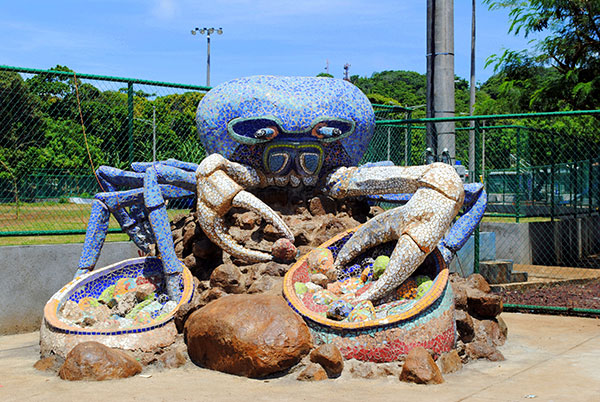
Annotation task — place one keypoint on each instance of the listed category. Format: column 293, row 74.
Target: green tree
column 568, row 41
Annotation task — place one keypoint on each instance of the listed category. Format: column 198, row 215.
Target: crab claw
column 418, row 227
column 217, row 194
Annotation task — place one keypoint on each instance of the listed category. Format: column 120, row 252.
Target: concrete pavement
column 548, row 358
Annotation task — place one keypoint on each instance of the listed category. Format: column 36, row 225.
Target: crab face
column 290, row 128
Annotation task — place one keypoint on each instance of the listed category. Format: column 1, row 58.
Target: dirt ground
column 573, row 295
column 548, row 358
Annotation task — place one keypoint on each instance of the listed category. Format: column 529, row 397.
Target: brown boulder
column 316, row 207
column 249, row 335
column 179, row 248
column 450, row 362
column 94, row 361
column 459, row 288
column 248, row 220
column 330, row 358
column 273, row 268
column 331, row 226
column 360, row 369
column 262, row 285
column 189, row 232
column 503, row 327
column 228, row 277
column 484, row 305
column 480, row 349
column 270, row 233
column 312, row 372
column 173, row 358
column 489, row 330
column 477, row 281
column 420, row 368
column 50, row 363
column 464, row 326
column 204, row 249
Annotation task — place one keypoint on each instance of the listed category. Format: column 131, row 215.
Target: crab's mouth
column 293, row 179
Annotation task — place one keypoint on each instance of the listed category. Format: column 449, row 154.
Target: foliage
column 566, row 38
column 42, row 119
column 407, row 89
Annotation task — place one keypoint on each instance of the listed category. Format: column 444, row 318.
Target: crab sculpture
column 287, row 131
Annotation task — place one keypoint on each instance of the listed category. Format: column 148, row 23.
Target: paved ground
column 548, row 358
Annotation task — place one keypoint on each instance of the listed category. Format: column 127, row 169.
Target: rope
column 87, row 147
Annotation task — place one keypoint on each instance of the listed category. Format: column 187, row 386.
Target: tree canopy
column 566, row 38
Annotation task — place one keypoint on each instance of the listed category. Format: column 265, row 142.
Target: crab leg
column 159, row 221
column 103, row 205
column 475, row 203
column 418, row 226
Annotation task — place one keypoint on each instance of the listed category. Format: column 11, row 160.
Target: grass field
column 52, row 216
column 41, row 217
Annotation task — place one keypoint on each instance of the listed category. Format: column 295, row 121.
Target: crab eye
column 267, row 133
column 333, row 129
column 327, row 132
column 253, row 130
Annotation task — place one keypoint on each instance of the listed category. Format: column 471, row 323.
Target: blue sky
column 151, row 39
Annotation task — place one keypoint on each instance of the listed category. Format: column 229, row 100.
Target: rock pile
column 312, row 218
column 130, row 302
column 479, row 326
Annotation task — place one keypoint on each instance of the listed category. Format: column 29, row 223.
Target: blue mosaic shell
column 297, row 102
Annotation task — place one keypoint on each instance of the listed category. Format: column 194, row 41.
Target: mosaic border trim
column 52, row 306
column 422, row 304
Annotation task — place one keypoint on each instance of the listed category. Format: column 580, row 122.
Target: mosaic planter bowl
column 57, row 337
column 427, row 321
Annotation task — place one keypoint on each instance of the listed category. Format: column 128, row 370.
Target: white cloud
column 165, row 9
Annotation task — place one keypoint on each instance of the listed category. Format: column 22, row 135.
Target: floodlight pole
column 472, row 138
column 208, row 32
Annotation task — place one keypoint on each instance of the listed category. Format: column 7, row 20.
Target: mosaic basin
column 59, row 338
column 427, row 321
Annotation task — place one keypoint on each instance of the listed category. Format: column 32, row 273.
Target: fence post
column 589, row 187
column 552, row 178
column 477, row 173
column 408, row 153
column 518, row 173
column 130, row 120
column 575, row 181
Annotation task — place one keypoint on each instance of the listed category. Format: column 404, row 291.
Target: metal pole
column 431, row 139
column 518, row 172
column 153, row 133
column 472, row 95
column 478, row 155
column 208, row 59
column 409, row 141
column 389, row 145
column 575, row 179
column 552, row 177
column 589, row 187
column 130, row 120
column 443, row 64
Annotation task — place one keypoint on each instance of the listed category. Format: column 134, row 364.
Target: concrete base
column 463, row 262
column 30, row 275
column 500, row 271
column 512, row 241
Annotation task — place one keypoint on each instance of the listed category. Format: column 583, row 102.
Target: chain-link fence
column 47, row 160
column 541, row 172
column 540, row 237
